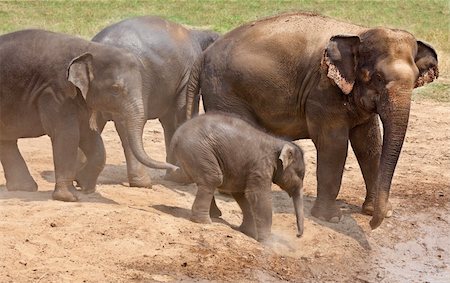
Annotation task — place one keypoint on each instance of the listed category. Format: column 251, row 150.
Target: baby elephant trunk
column 297, row 198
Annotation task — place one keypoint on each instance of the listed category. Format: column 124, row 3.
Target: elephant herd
column 268, row 82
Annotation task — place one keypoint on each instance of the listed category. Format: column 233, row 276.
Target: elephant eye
column 117, row 89
column 377, row 78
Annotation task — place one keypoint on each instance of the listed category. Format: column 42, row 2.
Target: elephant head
column 378, row 69
column 289, row 176
column 110, row 81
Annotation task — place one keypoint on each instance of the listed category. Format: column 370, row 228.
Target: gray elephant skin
column 220, row 151
column 166, row 52
column 53, row 84
column 302, row 75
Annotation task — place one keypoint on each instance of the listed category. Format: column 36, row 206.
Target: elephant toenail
column 389, row 213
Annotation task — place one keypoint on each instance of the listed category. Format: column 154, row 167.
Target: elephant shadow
column 348, row 226
column 180, row 212
column 111, row 175
column 47, row 195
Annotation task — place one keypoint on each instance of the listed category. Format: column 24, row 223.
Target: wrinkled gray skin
column 167, row 52
column 52, row 84
column 221, row 151
column 306, row 76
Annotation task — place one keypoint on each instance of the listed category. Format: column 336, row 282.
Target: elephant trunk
column 297, row 198
column 393, row 108
column 135, row 121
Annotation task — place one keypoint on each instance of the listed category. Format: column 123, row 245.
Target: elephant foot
column 265, row 238
column 177, row 176
column 200, row 218
column 86, row 186
column 25, row 187
column 65, row 193
column 368, row 208
column 249, row 230
column 331, row 212
column 143, row 181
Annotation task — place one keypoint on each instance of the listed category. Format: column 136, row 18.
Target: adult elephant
column 304, row 76
column 53, row 84
column 166, row 52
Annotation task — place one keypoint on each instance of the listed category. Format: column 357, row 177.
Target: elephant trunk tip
column 376, row 221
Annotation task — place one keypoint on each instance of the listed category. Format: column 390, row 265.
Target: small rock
column 318, row 254
column 380, row 275
column 184, row 264
column 53, row 224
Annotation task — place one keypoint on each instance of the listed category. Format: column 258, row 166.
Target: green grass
column 428, row 20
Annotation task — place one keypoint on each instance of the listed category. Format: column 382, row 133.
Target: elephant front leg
column 170, row 123
column 248, row 226
column 91, row 144
column 331, row 156
column 65, row 146
column 17, row 176
column 202, row 204
column 366, row 143
column 137, row 172
column 259, row 197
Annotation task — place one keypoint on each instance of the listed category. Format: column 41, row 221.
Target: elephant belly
column 232, row 184
column 20, row 125
column 291, row 129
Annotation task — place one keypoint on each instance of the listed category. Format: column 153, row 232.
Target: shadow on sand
column 47, row 196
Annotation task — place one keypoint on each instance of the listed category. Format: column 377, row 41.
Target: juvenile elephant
column 53, row 84
column 221, row 151
column 166, row 52
column 303, row 75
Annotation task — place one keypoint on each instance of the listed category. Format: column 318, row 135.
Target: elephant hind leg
column 202, row 204
column 214, row 210
column 17, row 175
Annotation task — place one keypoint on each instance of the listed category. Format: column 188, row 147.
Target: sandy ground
column 132, row 234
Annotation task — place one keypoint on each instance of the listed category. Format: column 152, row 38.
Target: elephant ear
column 340, row 60
column 286, row 155
column 427, row 63
column 80, row 72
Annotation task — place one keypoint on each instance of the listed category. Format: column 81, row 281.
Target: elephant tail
column 193, row 89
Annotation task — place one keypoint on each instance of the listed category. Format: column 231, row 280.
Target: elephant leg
column 65, row 140
column 202, row 204
column 214, row 210
column 91, row 144
column 137, row 172
column 17, row 175
column 366, row 142
column 331, row 155
column 81, row 157
column 168, row 123
column 248, row 226
column 259, row 196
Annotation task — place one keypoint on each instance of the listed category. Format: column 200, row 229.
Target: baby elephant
column 220, row 151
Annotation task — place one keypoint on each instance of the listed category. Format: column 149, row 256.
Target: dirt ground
column 134, row 234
